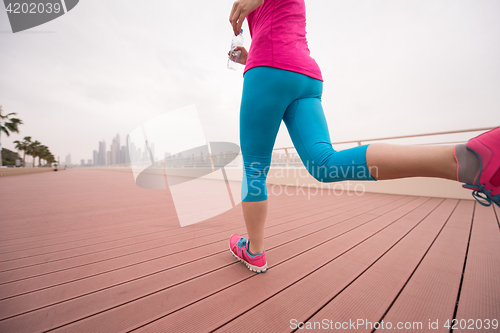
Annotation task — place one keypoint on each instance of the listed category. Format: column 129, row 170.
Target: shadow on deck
column 89, row 251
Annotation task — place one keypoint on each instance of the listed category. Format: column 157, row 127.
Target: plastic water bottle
column 234, row 56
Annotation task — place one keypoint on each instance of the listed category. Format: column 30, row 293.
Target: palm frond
column 5, row 130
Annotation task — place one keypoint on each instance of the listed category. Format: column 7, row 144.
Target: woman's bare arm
column 240, row 10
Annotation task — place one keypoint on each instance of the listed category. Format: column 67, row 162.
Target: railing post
column 212, row 162
column 287, row 158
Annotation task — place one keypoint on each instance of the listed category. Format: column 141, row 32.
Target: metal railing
column 293, row 159
column 282, row 157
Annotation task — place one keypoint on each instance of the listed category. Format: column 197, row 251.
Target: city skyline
column 117, row 154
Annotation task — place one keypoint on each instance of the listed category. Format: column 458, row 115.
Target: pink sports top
column 278, row 31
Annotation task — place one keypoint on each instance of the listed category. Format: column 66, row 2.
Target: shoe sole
column 251, row 267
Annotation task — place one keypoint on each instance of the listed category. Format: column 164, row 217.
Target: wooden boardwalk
column 89, row 251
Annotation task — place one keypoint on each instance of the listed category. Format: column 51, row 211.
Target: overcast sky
column 390, row 68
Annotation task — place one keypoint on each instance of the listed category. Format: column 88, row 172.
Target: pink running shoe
column 487, row 183
column 240, row 249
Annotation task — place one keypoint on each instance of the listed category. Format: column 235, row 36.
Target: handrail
column 404, row 136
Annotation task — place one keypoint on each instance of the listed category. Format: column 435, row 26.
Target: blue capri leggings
column 271, row 95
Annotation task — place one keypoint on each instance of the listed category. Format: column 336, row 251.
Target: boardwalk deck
column 89, row 251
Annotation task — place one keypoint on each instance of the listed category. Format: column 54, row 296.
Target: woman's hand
column 243, row 55
column 240, row 10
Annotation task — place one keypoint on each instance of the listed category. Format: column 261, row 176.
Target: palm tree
column 34, row 150
column 50, row 159
column 44, row 154
column 8, row 125
column 41, row 152
column 24, row 145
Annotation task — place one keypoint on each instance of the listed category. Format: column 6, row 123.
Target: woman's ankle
column 255, row 248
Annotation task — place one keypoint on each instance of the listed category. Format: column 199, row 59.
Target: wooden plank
column 302, row 299
column 68, row 242
column 70, row 249
column 222, row 277
column 313, row 253
column 111, row 259
column 88, row 304
column 431, row 293
column 130, row 286
column 100, row 219
column 369, row 296
column 87, row 189
column 124, row 269
column 480, row 294
column 73, row 207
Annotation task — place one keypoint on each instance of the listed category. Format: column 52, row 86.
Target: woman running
column 283, row 82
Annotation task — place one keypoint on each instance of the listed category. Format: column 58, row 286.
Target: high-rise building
column 116, row 154
column 124, row 155
column 68, row 159
column 115, row 150
column 127, row 149
column 101, row 159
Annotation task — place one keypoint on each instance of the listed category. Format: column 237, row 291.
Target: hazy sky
column 389, row 67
